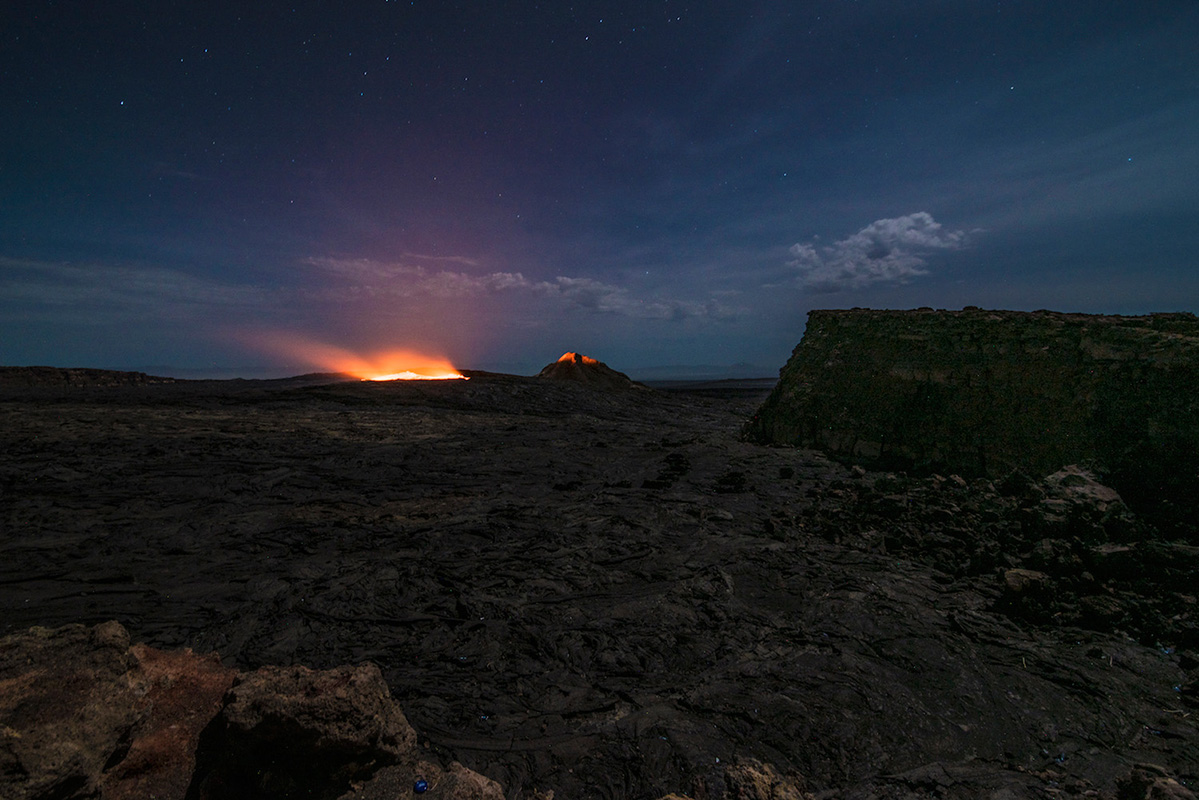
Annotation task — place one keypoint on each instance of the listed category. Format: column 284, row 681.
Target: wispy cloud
column 465, row 261
column 887, row 250
column 586, row 293
column 364, row 278
column 31, row 288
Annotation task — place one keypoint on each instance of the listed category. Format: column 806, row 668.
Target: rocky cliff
column 987, row 392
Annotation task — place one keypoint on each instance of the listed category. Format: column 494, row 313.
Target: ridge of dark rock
column 76, row 376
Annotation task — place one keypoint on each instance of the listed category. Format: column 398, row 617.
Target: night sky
column 652, row 183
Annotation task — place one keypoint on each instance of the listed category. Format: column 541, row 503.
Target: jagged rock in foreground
column 589, row 372
column 67, row 706
column 981, row 392
column 83, row 714
column 286, row 731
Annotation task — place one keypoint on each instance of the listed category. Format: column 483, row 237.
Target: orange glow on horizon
column 448, row 374
column 385, row 365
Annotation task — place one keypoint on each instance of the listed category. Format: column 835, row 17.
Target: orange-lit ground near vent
column 400, row 366
column 409, row 375
column 386, row 365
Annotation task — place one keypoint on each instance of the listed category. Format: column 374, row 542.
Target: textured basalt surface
column 610, row 594
column 983, row 393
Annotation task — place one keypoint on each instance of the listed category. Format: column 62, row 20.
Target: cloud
column 380, row 279
column 593, row 295
column 447, row 284
column 363, row 278
column 886, row 250
column 469, row 262
column 90, row 291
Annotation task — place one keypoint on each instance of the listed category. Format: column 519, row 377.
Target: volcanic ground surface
column 606, row 594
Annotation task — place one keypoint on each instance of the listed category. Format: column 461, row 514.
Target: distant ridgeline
column 75, row 376
column 987, row 392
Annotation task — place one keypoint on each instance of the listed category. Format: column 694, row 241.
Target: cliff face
column 986, row 392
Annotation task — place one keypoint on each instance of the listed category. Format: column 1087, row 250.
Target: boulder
column 1027, row 594
column 1019, row 583
column 185, row 692
column 1079, row 486
column 84, row 714
column 70, row 702
column 750, row 779
column 1151, row 782
column 291, row 731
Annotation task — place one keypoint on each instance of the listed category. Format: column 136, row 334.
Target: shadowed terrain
column 610, row 594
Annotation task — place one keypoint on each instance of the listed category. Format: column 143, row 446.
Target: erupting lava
column 389, row 365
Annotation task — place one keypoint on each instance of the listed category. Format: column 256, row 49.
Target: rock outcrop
column 84, row 714
column 982, row 393
column 68, row 705
column 293, row 731
column 588, row 371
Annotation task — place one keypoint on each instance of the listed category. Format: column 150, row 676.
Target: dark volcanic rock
column 589, row 372
column 985, row 392
column 752, row 780
column 83, row 714
column 67, row 706
column 76, row 376
column 455, row 781
column 293, row 731
column 610, row 595
column 184, row 692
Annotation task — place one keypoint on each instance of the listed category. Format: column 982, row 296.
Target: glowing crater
column 380, row 365
column 399, row 365
column 409, row 375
